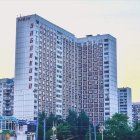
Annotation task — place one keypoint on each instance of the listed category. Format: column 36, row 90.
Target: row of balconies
column 8, row 109
column 7, row 98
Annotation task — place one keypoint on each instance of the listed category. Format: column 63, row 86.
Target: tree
column 52, row 119
column 117, row 128
column 40, row 126
column 49, row 134
column 77, row 127
column 63, row 131
column 83, row 125
column 72, row 121
column 136, row 131
column 72, row 128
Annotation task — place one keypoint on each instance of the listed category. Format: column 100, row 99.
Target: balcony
column 8, row 113
column 8, row 109
column 7, row 98
column 7, row 91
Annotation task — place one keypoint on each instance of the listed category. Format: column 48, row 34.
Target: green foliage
column 63, row 131
column 50, row 120
column 72, row 121
column 136, row 131
column 40, row 132
column 83, row 125
column 41, row 118
column 40, row 126
column 48, row 134
column 76, row 127
column 117, row 128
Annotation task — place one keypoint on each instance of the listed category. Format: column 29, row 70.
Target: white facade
column 22, row 134
column 57, row 72
column 24, row 71
column 125, row 102
column 39, row 67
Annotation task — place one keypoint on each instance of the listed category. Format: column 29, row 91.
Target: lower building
column 6, row 96
column 14, row 129
column 136, row 112
column 125, row 102
column 7, row 127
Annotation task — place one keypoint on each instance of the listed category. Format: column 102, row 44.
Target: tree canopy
column 76, row 127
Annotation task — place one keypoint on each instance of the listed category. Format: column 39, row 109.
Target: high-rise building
column 6, row 96
column 125, row 102
column 57, row 72
column 39, row 72
column 98, row 76
column 136, row 112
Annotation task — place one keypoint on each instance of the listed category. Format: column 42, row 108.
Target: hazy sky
column 120, row 18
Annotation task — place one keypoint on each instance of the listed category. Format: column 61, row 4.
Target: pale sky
column 120, row 18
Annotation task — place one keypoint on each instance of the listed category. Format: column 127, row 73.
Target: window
column 106, row 85
column 32, row 25
column 105, row 40
column 106, row 71
column 59, row 66
column 31, row 40
column 106, row 62
column 107, row 80
column 107, row 113
column 30, row 78
column 35, row 74
column 106, row 45
column 30, row 63
column 59, row 56
column 31, row 48
column 35, row 85
column 106, row 76
column 106, row 53
column 31, row 33
column 106, row 66
column 31, row 55
column 30, row 86
column 36, row 63
column 30, row 70
column 37, row 22
column 59, row 86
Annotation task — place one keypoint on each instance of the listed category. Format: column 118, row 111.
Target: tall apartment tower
column 57, row 72
column 98, row 76
column 6, row 97
column 125, row 102
column 40, row 75
column 136, row 112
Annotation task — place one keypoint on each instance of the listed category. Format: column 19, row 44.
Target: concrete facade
column 6, row 96
column 125, row 102
column 136, row 112
column 56, row 72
